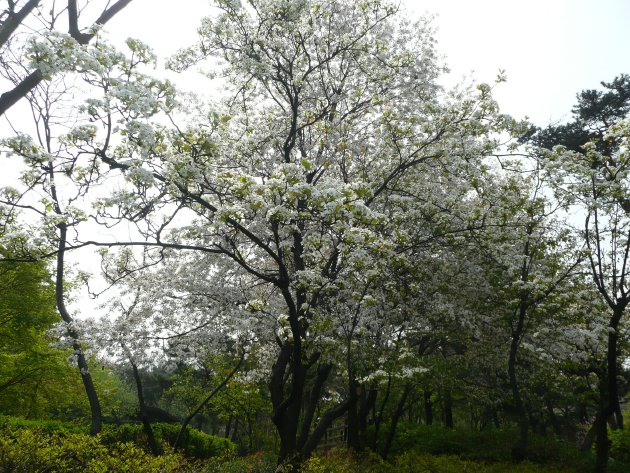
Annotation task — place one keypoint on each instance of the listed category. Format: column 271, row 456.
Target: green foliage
column 595, row 111
column 118, row 399
column 415, row 462
column 438, row 440
column 45, row 426
column 496, row 446
column 620, row 449
column 194, row 443
column 341, row 461
column 35, row 378
column 257, row 463
column 26, row 450
column 412, row 462
column 239, row 400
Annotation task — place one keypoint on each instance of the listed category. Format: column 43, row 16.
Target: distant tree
column 595, row 112
column 35, row 377
column 590, row 162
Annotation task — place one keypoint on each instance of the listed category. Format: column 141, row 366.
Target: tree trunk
column 448, row 409
column 366, row 405
column 428, row 408
column 352, row 438
column 400, row 408
column 557, row 429
column 323, row 372
column 86, row 377
column 608, row 395
column 250, row 434
column 146, row 425
column 519, row 449
column 235, row 430
column 379, row 417
column 602, row 443
column 613, row 385
column 228, row 426
column 287, row 407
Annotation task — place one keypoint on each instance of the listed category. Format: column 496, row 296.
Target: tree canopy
column 336, row 238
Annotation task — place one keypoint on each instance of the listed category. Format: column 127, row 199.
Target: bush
column 414, row 462
column 257, row 463
column 26, row 451
column 436, row 440
column 620, row 449
column 48, row 426
column 491, row 446
column 194, row 442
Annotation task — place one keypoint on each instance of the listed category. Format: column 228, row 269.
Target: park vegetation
column 329, row 262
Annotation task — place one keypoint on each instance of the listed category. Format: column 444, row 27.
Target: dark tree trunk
column 555, row 423
column 531, row 418
column 582, row 412
column 602, row 443
column 428, row 408
column 608, row 394
column 235, row 430
column 250, row 434
column 367, row 404
column 520, row 448
column 146, row 425
column 286, row 398
column 495, row 418
column 285, row 407
column 323, row 372
column 325, row 422
column 448, row 409
column 288, row 374
column 379, row 417
column 86, row 377
column 400, row 409
column 228, row 427
column 352, row 438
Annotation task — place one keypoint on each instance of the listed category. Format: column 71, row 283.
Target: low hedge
column 29, row 450
column 194, row 442
column 48, row 426
column 491, row 446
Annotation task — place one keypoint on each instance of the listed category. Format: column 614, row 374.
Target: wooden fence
column 335, row 436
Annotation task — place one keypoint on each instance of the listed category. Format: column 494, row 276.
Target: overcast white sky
column 550, row 49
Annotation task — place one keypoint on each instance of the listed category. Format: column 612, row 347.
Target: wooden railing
column 335, row 436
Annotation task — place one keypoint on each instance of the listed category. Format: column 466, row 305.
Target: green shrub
column 489, row 445
column 194, row 443
column 26, row 451
column 414, row 462
column 49, row 426
column 257, row 463
column 620, row 449
column 333, row 461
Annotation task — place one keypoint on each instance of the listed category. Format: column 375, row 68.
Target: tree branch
column 11, row 97
column 14, row 20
